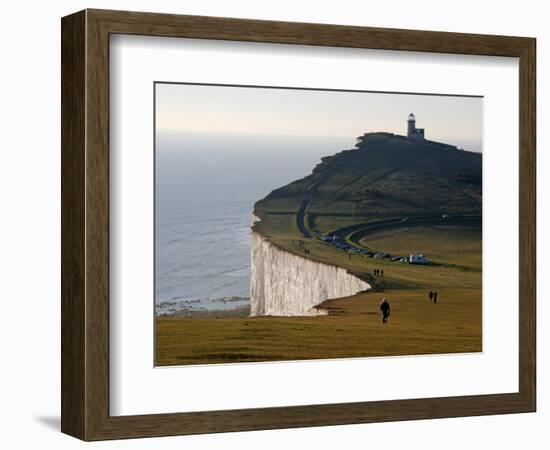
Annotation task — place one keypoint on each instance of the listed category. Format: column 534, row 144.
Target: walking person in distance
column 385, row 308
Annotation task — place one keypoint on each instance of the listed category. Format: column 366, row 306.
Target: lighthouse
column 416, row 134
column 411, row 122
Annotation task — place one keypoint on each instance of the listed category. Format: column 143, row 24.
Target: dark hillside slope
column 389, row 176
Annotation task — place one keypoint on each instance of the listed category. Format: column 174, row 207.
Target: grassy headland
column 389, row 178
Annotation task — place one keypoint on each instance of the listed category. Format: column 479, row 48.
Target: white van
column 418, row 259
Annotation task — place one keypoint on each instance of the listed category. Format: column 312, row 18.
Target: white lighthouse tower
column 416, row 134
column 411, row 125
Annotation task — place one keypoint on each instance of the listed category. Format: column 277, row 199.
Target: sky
column 315, row 114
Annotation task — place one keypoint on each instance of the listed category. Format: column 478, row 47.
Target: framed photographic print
column 271, row 224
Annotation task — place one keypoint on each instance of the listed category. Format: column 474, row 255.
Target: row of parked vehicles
column 342, row 244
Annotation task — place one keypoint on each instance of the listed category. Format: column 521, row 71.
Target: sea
column 205, row 189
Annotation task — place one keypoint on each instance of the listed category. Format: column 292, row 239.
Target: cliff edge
column 306, row 237
column 285, row 284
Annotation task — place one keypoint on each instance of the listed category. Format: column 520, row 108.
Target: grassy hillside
column 390, row 196
column 354, row 329
column 388, row 176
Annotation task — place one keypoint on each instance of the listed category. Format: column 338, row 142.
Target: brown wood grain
column 73, row 224
column 85, row 224
column 527, row 224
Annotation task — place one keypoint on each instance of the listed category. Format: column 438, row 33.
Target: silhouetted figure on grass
column 385, row 308
column 431, row 295
column 435, row 297
column 382, row 273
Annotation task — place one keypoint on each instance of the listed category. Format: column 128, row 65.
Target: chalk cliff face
column 285, row 284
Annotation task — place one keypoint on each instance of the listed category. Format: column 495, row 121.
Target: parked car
column 418, row 259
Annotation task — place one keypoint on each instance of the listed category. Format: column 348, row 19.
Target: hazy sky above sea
column 315, row 114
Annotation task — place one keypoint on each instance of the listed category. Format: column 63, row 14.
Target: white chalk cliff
column 285, row 284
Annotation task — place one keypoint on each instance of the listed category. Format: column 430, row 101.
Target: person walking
column 385, row 308
column 435, row 297
column 382, row 273
column 431, row 295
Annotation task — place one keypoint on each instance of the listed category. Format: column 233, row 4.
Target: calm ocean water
column 206, row 187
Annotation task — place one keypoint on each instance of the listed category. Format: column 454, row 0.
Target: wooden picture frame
column 85, row 224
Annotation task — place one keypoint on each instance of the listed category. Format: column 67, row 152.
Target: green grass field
column 415, row 327
column 353, row 327
column 391, row 178
column 456, row 250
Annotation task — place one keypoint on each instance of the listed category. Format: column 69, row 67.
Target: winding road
column 352, row 235
column 311, row 191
